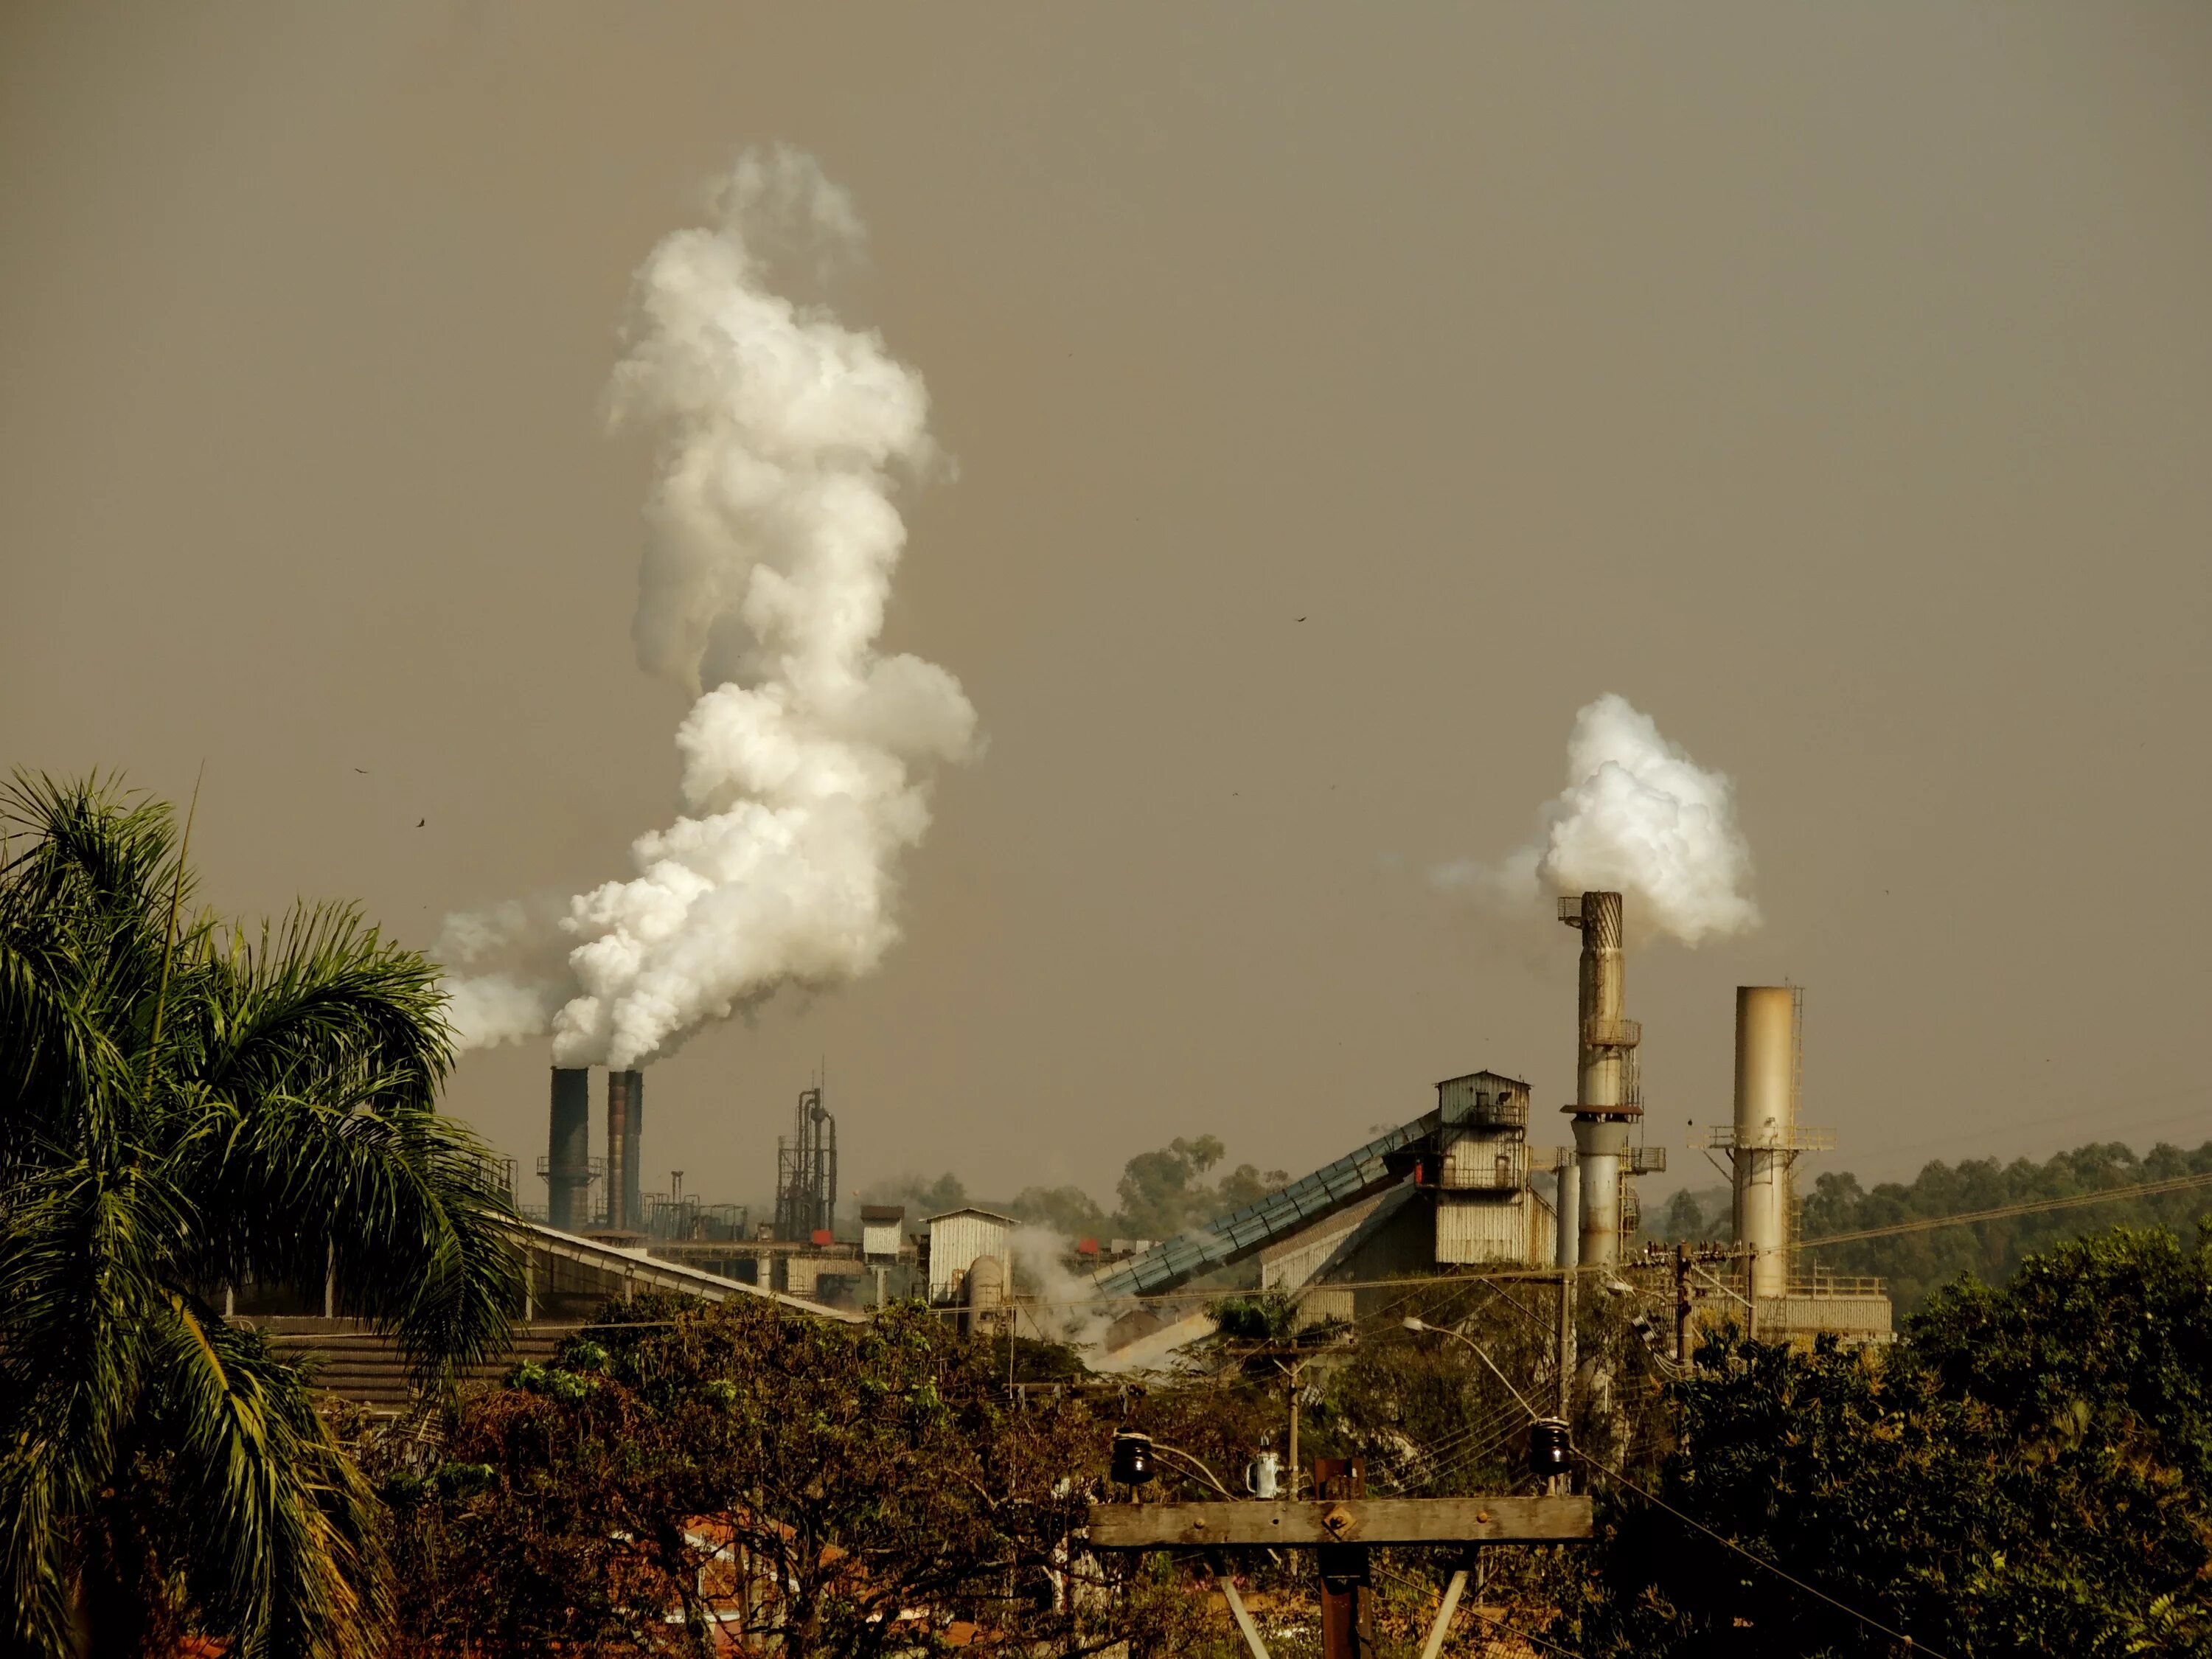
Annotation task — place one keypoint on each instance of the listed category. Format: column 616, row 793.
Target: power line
column 2110, row 1113
column 1499, row 1623
column 1929, row 1223
column 1914, row 1643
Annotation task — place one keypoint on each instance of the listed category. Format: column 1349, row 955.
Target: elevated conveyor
column 1381, row 1163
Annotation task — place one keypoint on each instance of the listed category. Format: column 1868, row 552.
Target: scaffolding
column 806, row 1172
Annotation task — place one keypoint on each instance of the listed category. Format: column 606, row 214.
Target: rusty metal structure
column 806, row 1172
column 625, row 1126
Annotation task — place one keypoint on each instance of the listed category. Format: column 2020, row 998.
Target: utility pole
column 1347, row 1611
column 1563, row 1347
column 1564, row 1357
column 1681, row 1304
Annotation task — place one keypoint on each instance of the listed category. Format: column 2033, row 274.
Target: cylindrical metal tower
column 1765, row 1129
column 569, row 1148
column 625, row 1121
column 1568, row 1248
column 1605, row 1075
column 1599, row 1059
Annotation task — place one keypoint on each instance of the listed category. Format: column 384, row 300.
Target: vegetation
column 184, row 1104
column 2029, row 1470
column 1916, row 1263
column 685, row 1470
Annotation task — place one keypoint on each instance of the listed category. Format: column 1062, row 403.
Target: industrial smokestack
column 1766, row 1130
column 1605, row 1073
column 625, row 1121
column 569, row 1148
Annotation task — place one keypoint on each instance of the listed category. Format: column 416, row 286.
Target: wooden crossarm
column 1344, row 1520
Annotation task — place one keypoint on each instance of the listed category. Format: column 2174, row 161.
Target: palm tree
column 185, row 1105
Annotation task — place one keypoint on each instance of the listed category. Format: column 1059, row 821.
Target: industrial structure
column 625, row 1129
column 603, row 1200
column 1600, row 1208
column 968, row 1264
column 1459, row 1186
column 806, row 1174
column 1763, row 1145
column 568, row 1167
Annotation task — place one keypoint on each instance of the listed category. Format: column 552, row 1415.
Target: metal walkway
column 1229, row 1240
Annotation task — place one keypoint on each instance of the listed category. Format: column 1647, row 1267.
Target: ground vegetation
column 187, row 1105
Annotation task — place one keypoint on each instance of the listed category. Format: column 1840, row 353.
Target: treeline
column 1161, row 1192
column 2026, row 1470
column 1916, row 1263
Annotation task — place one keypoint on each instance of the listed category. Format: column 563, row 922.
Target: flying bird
column 1302, row 619
column 363, row 770
column 419, row 823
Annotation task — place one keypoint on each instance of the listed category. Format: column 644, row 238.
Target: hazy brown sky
column 1835, row 383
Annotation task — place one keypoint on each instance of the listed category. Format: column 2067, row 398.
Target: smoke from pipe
column 771, row 540
column 1638, row 816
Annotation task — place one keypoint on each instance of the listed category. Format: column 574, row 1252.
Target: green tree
column 1161, row 1192
column 2029, row 1470
column 1684, row 1217
column 689, row 1469
column 184, row 1105
column 1916, row 1263
column 1068, row 1211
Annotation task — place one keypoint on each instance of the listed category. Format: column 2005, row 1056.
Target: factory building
column 1459, row 1186
column 602, row 1200
column 959, row 1239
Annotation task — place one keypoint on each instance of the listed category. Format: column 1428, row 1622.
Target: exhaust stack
column 1766, row 1140
column 568, row 1168
column 625, row 1121
column 1608, row 1097
column 1766, row 1128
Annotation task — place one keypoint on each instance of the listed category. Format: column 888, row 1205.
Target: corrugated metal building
column 956, row 1239
column 881, row 1229
column 1477, row 1227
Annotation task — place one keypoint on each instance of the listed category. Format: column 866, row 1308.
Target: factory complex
column 1460, row 1190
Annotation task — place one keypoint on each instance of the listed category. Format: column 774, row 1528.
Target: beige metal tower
column 1766, row 1139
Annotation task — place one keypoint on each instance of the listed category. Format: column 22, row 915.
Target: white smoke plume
column 771, row 541
column 1063, row 1306
column 1638, row 817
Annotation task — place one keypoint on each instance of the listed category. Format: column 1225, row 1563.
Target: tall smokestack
column 569, row 1148
column 1605, row 1074
column 1766, row 1050
column 625, row 1120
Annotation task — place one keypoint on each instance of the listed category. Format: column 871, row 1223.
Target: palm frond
column 297, row 1569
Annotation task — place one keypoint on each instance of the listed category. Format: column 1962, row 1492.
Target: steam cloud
column 771, row 540
column 1639, row 816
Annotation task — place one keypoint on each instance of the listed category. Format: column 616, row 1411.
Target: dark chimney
column 568, row 1149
